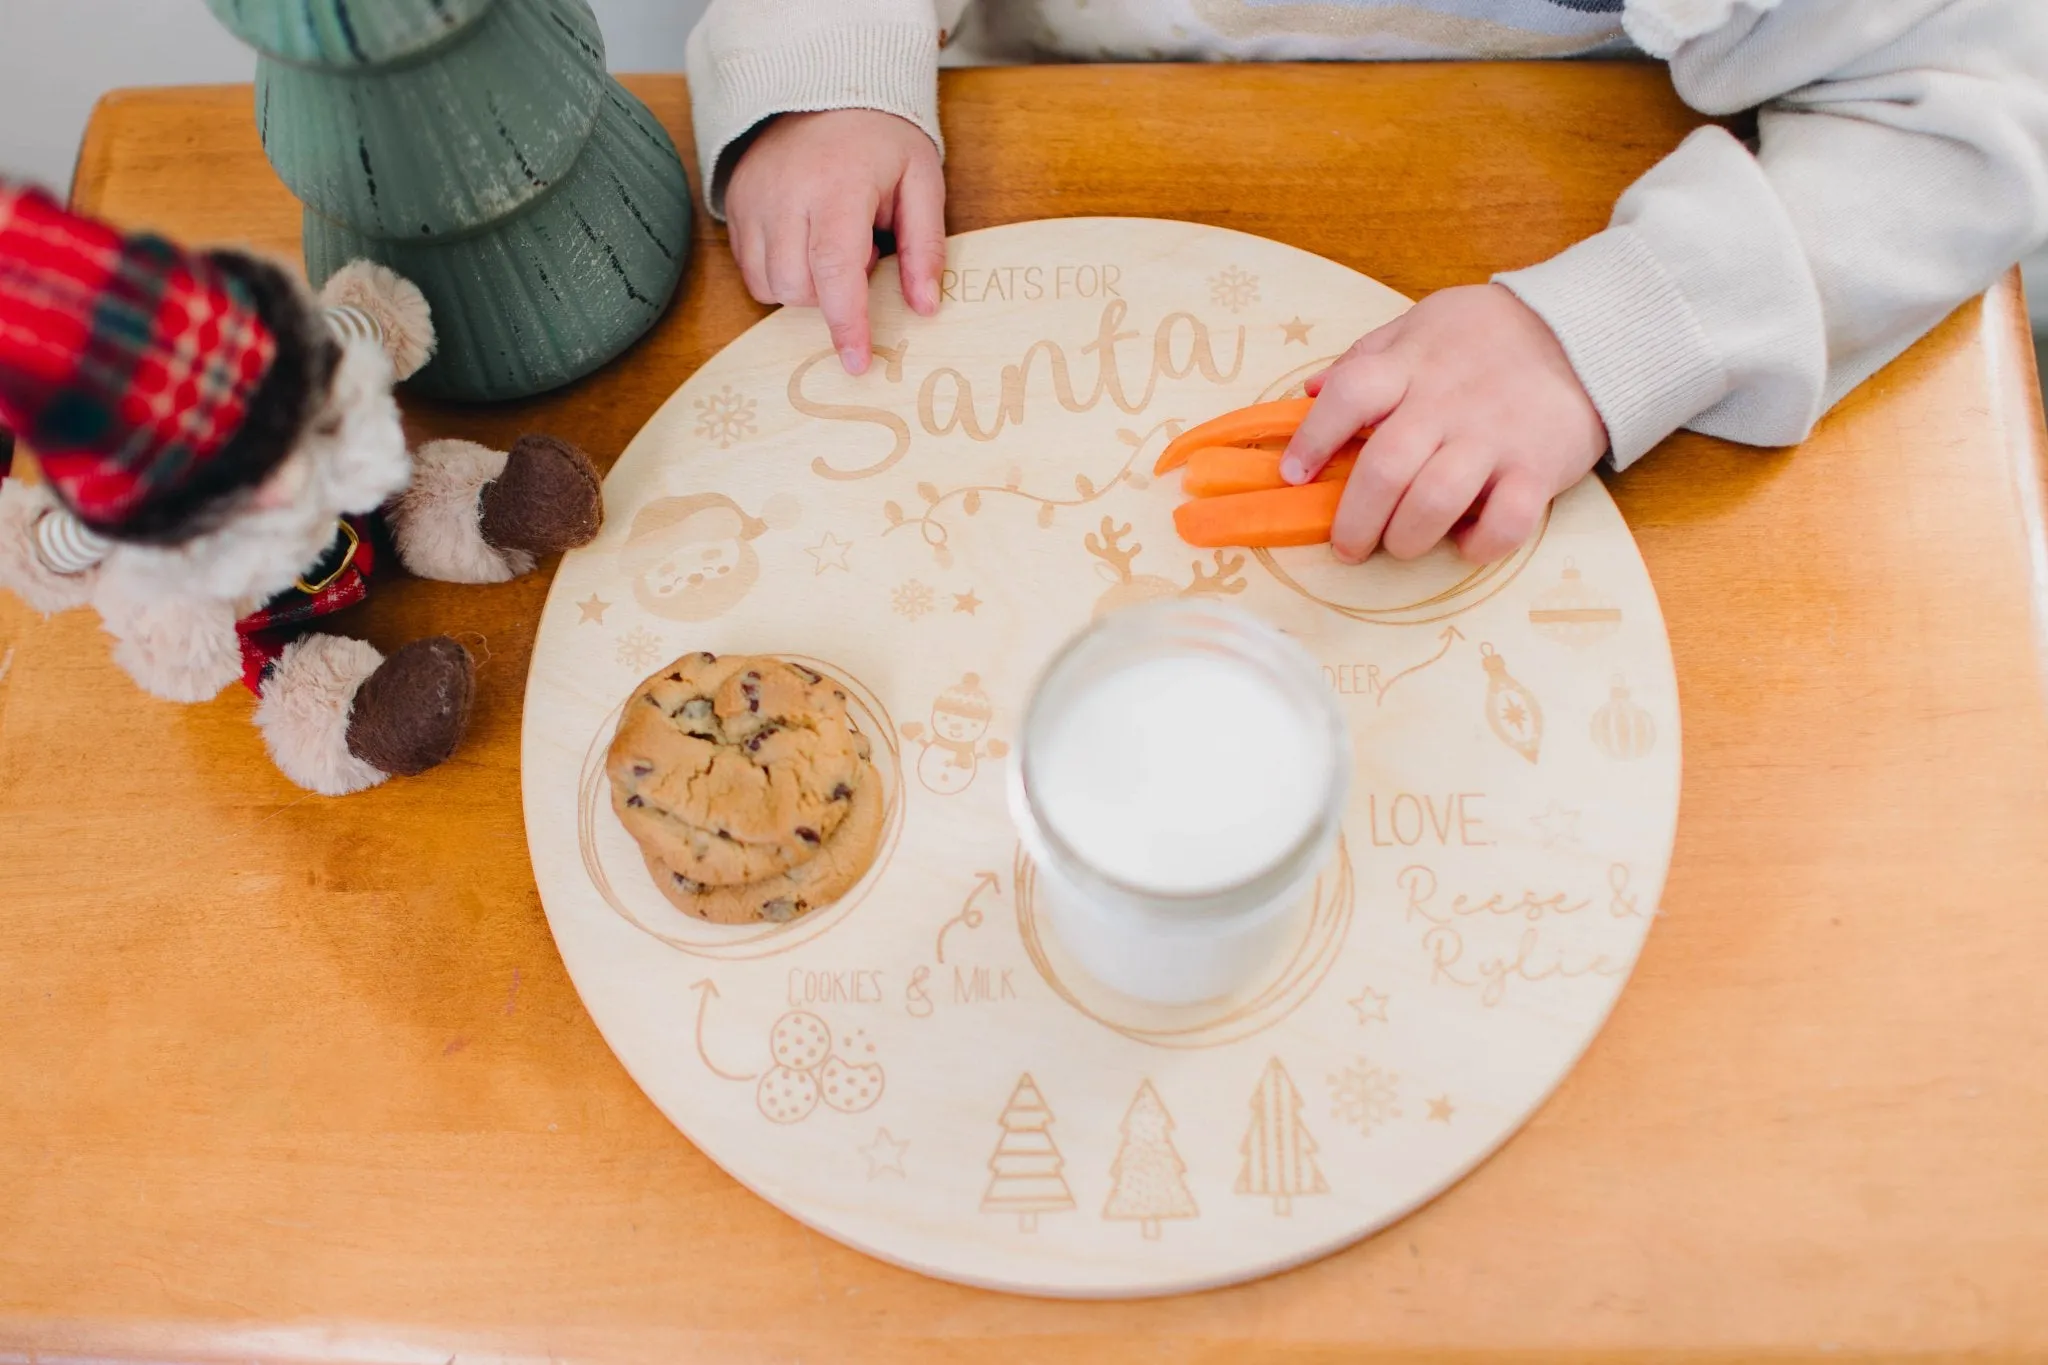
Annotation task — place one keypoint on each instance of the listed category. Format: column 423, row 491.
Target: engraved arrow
column 1449, row 635
column 709, row 991
column 970, row 913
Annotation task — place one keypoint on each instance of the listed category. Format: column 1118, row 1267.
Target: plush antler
column 1106, row 548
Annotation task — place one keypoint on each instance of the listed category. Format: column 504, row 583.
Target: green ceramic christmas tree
column 478, row 148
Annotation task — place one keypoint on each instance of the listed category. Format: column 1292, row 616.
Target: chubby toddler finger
column 1439, row 497
column 1513, row 507
column 751, row 254
column 842, row 243
column 786, row 262
column 1392, row 457
column 921, row 236
column 1372, row 343
column 1357, row 393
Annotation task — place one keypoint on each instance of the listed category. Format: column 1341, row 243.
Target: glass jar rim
column 1216, row 630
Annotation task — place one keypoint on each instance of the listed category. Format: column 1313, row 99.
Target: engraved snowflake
column 1234, row 289
column 912, row 599
column 1364, row 1095
column 639, row 648
column 725, row 417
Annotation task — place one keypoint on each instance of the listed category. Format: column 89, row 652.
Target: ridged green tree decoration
column 478, row 148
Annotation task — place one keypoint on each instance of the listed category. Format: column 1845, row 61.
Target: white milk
column 1179, row 782
column 1181, row 774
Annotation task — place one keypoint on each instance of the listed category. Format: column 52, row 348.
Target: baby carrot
column 1218, row 471
column 1243, row 427
column 1268, row 518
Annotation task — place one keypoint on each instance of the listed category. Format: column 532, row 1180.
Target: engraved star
column 1440, row 1109
column 966, row 601
column 885, row 1154
column 830, row 552
column 1513, row 714
column 1371, row 1006
column 1296, row 330
column 593, row 609
column 1558, row 825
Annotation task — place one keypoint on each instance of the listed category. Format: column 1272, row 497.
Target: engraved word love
column 946, row 401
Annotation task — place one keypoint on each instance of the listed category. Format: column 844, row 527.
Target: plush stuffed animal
column 223, row 468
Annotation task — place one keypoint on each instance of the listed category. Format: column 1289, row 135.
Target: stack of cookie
column 747, row 787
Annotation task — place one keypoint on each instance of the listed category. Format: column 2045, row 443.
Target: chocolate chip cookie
column 841, row 859
column 717, row 857
column 733, row 769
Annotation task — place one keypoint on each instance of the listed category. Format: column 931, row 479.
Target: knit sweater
column 1901, row 163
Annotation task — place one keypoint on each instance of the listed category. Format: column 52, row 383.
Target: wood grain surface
column 284, row 1077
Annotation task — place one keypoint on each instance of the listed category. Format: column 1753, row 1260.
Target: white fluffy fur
column 352, row 458
column 22, row 571
column 305, row 712
column 178, row 648
column 439, row 523
column 398, row 307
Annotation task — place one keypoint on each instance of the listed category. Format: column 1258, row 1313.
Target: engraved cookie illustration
column 952, row 749
column 693, row 558
column 855, row 1085
column 786, row 1095
column 800, row 1040
column 809, row 1068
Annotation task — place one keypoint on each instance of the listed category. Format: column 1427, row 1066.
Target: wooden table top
column 287, row 1077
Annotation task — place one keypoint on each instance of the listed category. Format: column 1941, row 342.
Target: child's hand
column 803, row 206
column 1480, row 423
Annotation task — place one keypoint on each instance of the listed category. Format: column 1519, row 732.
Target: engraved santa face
column 690, row 558
column 693, row 567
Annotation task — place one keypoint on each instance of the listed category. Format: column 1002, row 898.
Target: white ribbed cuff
column 1630, row 335
column 892, row 68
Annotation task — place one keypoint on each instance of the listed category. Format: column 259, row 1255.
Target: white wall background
column 58, row 56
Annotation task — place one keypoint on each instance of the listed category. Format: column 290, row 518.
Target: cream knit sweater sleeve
column 749, row 60
column 1902, row 164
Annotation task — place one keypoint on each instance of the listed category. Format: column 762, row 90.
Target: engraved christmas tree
column 478, row 148
column 1148, row 1173
column 1279, row 1155
column 1025, row 1171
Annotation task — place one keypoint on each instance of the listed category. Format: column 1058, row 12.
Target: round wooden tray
column 919, row 1070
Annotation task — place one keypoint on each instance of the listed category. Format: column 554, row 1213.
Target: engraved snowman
column 953, row 748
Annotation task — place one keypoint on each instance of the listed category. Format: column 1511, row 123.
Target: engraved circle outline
column 1321, row 943
column 1459, row 598
column 767, row 940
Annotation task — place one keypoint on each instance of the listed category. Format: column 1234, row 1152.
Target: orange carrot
column 1218, row 471
column 1270, row 517
column 1243, row 427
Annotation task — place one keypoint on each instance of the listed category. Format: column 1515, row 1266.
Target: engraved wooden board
column 918, row 1070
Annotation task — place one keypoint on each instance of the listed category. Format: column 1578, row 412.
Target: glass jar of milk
column 1180, row 781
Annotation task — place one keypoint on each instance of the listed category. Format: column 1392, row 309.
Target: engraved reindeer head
column 1114, row 556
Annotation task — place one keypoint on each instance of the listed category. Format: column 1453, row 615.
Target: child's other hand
column 1480, row 422
column 805, row 200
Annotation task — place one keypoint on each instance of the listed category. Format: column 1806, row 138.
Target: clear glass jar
column 1180, row 780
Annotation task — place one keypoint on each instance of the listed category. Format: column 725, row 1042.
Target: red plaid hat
column 149, row 380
